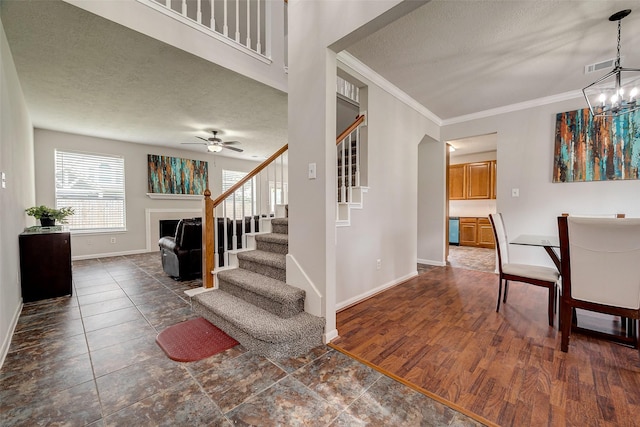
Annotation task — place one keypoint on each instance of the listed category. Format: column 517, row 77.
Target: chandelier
column 616, row 93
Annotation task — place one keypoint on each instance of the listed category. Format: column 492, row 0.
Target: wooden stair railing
column 348, row 171
column 208, row 219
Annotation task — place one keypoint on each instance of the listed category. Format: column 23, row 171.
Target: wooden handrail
column 250, row 175
column 350, row 129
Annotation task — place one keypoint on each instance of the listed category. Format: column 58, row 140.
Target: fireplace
column 168, row 227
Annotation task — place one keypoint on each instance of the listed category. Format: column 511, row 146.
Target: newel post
column 207, row 241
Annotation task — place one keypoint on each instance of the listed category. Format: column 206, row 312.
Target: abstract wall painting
column 596, row 149
column 173, row 175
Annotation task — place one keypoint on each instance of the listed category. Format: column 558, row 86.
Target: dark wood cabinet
column 45, row 265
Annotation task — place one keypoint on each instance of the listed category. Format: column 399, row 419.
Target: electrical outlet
column 113, row 240
column 378, row 264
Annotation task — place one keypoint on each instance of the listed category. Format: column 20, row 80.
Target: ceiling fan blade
column 193, row 143
column 205, row 140
column 239, row 150
column 230, row 142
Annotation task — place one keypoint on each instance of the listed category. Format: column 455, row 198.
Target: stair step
column 273, row 242
column 267, row 263
column 258, row 330
column 280, row 225
column 269, row 294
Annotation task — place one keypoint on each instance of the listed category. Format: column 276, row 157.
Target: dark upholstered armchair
column 182, row 254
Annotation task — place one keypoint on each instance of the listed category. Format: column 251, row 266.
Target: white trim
column 110, row 254
column 432, row 262
column 374, row 291
column 175, row 196
column 515, row 107
column 330, row 336
column 297, row 277
column 205, row 30
column 4, row 349
column 351, row 61
column 147, row 220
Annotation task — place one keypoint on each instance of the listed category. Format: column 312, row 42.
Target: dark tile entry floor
column 91, row 359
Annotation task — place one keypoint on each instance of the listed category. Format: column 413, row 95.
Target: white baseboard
column 7, row 339
column 330, row 336
column 372, row 292
column 110, row 254
column 298, row 278
column 431, row 262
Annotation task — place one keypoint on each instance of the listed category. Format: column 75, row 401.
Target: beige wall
column 134, row 240
column 16, row 162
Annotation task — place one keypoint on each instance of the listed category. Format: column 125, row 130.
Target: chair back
column 189, row 233
column 499, row 232
column 601, row 260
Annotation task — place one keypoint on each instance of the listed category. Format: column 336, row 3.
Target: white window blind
column 248, row 190
column 93, row 185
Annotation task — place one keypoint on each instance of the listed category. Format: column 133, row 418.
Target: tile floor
column 91, row 359
column 470, row 258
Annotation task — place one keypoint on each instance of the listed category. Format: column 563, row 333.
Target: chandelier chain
column 618, row 57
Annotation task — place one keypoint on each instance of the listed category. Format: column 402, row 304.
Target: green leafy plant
column 42, row 211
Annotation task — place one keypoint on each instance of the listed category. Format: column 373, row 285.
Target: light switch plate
column 312, row 171
column 515, row 192
column 4, row 180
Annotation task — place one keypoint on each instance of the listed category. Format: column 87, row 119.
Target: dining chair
column 600, row 265
column 525, row 273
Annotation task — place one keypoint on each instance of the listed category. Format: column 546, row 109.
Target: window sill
column 175, row 196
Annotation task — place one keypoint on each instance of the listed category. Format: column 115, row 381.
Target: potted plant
column 49, row 216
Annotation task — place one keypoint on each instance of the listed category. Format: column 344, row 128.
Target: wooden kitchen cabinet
column 479, row 180
column 476, row 232
column 468, row 231
column 457, row 182
column 494, row 179
column 485, row 234
column 472, row 181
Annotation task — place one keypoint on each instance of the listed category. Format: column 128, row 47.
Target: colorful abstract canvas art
column 173, row 175
column 596, row 149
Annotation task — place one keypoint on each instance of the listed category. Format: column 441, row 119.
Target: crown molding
column 351, row 61
column 515, row 107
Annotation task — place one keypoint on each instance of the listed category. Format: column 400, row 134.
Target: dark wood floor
column 440, row 332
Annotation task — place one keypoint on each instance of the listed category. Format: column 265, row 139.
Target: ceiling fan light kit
column 215, row 144
column 615, row 93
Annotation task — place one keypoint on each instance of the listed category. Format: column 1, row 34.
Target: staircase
column 254, row 305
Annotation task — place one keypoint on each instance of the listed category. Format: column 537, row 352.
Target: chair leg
column 499, row 293
column 567, row 319
column 506, row 289
column 552, row 304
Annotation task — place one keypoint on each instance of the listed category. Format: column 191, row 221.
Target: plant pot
column 47, row 222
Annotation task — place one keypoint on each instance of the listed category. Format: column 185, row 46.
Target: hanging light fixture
column 214, row 148
column 615, row 93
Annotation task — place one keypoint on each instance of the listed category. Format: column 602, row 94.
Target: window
column 276, row 195
column 244, row 196
column 93, row 185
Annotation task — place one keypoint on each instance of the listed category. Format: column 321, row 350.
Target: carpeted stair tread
column 280, row 225
column 280, row 221
column 265, row 258
column 256, row 322
column 281, row 239
column 262, row 285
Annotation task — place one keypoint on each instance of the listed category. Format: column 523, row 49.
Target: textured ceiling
column 463, row 57
column 83, row 74
column 86, row 75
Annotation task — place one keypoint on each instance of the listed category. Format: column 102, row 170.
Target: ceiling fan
column 215, row 144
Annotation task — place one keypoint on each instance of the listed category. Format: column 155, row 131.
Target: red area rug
column 193, row 340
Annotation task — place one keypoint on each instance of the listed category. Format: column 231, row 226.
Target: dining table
column 548, row 242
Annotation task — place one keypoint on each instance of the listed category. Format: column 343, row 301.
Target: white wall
column 386, row 229
column 312, row 113
column 431, row 201
column 525, row 161
column 136, row 178
column 16, row 162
